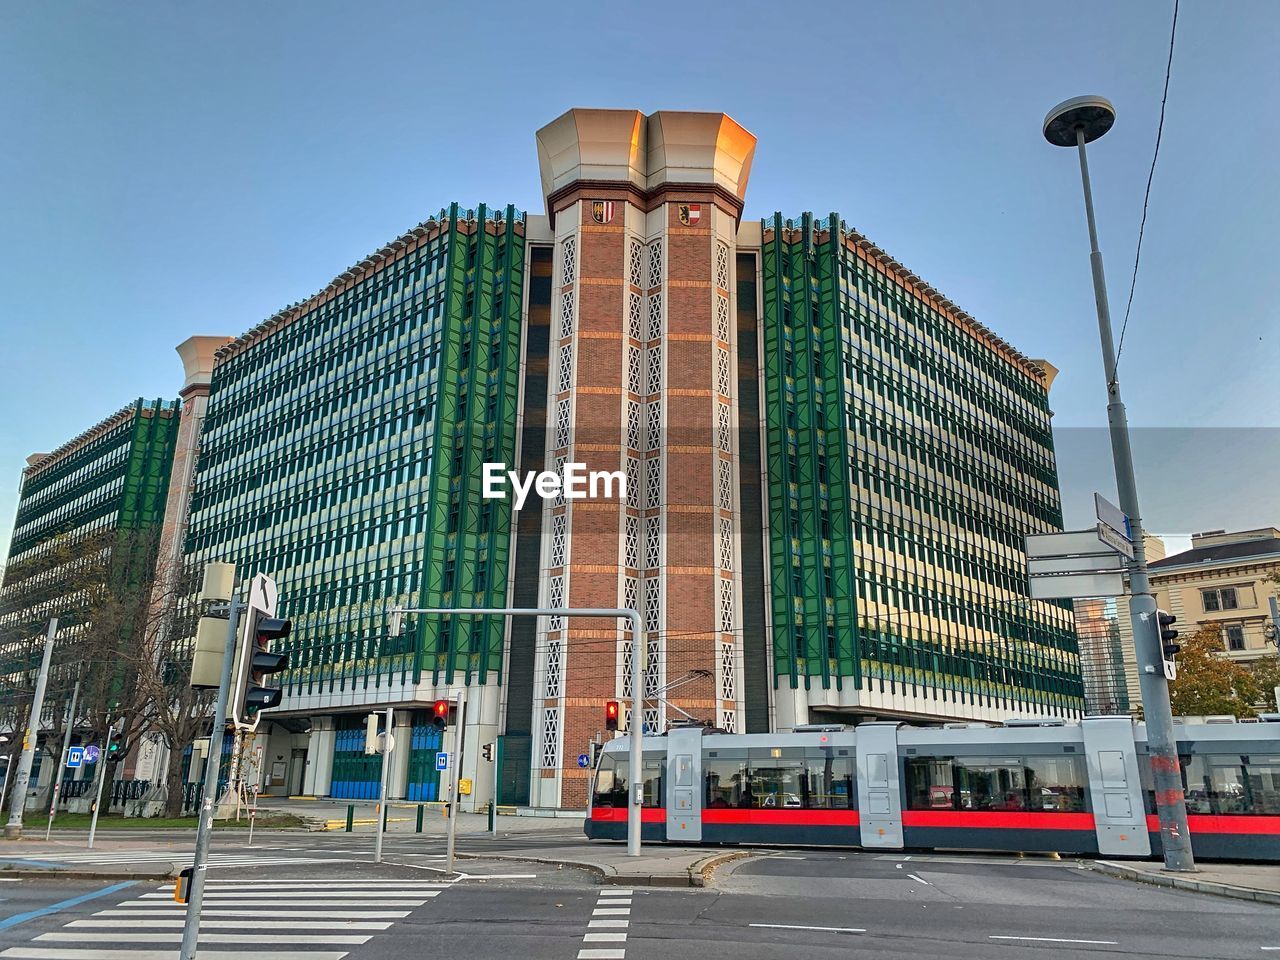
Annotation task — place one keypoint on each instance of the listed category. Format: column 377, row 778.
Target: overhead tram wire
column 1133, row 283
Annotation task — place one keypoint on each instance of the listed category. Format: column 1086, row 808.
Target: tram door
column 1115, row 786
column 879, row 790
column 684, row 784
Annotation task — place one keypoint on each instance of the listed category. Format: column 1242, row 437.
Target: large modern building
column 820, row 471
column 90, row 509
column 829, row 471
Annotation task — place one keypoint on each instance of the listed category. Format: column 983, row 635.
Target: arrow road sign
column 75, row 756
column 583, row 761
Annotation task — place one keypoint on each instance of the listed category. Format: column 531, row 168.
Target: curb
column 1184, row 883
column 695, row 875
column 36, row 873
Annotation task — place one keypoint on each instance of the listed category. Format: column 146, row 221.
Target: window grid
column 550, row 738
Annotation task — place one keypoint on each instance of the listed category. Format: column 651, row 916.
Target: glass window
column 829, row 780
column 1210, row 598
column 778, row 775
column 1226, row 784
column 1235, row 636
column 727, row 783
column 982, row 783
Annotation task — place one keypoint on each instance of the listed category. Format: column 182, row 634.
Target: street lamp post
column 1073, row 124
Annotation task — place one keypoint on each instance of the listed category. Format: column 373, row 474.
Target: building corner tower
column 644, row 211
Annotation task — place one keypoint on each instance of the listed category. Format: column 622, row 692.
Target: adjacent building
column 827, row 469
column 90, row 509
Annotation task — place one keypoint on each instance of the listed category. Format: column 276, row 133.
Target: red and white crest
column 602, row 210
column 689, row 213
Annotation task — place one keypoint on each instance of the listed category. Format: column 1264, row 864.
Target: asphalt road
column 778, row 905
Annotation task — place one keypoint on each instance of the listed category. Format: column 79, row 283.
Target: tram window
column 795, row 780
column 1226, row 784
column 611, row 783
column 727, row 782
column 984, row 783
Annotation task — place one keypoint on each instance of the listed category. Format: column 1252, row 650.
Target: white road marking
column 589, row 954
column 608, row 923
column 175, row 936
column 394, row 894
column 279, row 904
column 237, row 924
column 919, row 880
column 1100, row 943
column 611, row 912
column 612, row 938
column 72, row 953
column 266, row 914
column 778, row 856
column 898, row 866
column 615, row 902
column 619, row 892
column 797, row 926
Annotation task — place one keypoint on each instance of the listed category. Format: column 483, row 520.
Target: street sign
column 263, row 593
column 75, row 755
column 91, row 754
column 1074, row 585
column 1112, row 516
column 1100, row 563
column 1114, row 540
column 442, row 761
column 1072, row 543
column 583, row 761
column 387, row 741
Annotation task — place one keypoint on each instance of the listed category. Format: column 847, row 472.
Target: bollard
column 351, row 815
column 421, row 810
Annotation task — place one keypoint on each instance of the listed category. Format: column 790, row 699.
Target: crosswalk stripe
column 392, row 893
column 94, row 923
column 271, row 914
column 280, row 905
column 175, row 936
column 94, row 953
column 327, row 884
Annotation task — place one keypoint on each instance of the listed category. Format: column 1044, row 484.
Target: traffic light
column 371, row 734
column 442, row 714
column 1167, row 635
column 257, row 662
column 611, row 715
column 117, row 750
column 487, row 752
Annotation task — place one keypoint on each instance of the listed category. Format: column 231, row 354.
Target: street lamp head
column 1091, row 115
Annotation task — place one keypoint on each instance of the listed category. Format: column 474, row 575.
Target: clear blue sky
column 172, row 169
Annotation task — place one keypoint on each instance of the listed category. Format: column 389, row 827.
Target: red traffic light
column 611, row 715
column 440, row 713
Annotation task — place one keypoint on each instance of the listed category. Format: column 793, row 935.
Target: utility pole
column 455, row 775
column 62, row 758
column 1073, row 124
column 200, row 864
column 382, row 788
column 13, row 829
column 102, row 776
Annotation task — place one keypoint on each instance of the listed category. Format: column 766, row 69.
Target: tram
column 1033, row 786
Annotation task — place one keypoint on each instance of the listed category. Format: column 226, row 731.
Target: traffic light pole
column 455, row 776
column 103, row 762
column 639, row 655
column 1171, row 806
column 18, row 800
column 382, row 789
column 200, row 863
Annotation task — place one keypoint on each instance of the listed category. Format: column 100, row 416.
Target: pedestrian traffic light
column 487, row 752
column 442, row 714
column 117, row 749
column 257, row 662
column 611, row 715
column 1168, row 635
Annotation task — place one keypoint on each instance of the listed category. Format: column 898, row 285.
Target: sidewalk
column 1242, row 881
column 327, row 814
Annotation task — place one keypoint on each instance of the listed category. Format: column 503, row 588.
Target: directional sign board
column 1074, row 585
column 1119, row 543
column 1075, row 543
column 442, row 761
column 1112, row 516
column 91, row 754
column 583, row 761
column 75, row 756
